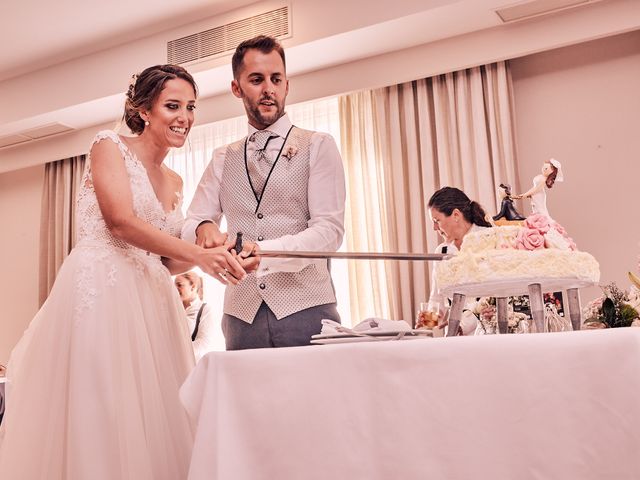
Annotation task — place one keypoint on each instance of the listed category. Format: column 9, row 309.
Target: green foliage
column 615, row 311
column 627, row 315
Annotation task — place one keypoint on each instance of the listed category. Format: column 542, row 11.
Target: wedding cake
column 539, row 249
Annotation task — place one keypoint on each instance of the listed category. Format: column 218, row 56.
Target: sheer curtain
column 62, row 180
column 191, row 161
column 400, row 144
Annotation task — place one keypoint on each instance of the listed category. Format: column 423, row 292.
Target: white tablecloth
column 544, row 406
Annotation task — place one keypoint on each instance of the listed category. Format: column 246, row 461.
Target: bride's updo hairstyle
column 551, row 178
column 447, row 199
column 145, row 88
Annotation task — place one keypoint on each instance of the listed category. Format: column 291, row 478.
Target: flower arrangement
column 615, row 308
column 518, row 321
column 539, row 231
column 485, row 310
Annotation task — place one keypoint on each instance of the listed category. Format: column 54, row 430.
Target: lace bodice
column 90, row 224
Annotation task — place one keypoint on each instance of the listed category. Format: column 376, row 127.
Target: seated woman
column 206, row 334
column 453, row 215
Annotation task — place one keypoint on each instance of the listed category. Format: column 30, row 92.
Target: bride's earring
column 146, row 123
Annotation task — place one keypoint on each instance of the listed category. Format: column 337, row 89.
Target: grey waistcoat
column 283, row 210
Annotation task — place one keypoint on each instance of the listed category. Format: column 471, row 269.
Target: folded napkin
column 369, row 325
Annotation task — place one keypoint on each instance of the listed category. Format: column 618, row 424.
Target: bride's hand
column 221, row 265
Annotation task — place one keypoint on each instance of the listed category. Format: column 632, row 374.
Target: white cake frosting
column 539, row 249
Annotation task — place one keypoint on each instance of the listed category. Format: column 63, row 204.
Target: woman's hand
column 443, row 321
column 221, row 265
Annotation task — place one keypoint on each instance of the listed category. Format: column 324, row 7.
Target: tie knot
column 261, row 138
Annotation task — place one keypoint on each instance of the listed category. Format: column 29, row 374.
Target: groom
column 282, row 187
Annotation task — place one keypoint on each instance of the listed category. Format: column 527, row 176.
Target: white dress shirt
column 326, row 197
column 209, row 337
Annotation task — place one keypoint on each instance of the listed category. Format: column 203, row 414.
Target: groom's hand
column 208, row 235
column 249, row 257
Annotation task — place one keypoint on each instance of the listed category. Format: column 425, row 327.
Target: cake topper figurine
column 551, row 173
column 508, row 213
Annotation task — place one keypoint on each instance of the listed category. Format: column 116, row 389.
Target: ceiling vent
column 224, row 39
column 535, row 8
column 33, row 134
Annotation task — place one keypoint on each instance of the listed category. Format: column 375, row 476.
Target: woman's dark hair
column 447, row 199
column 551, row 178
column 145, row 89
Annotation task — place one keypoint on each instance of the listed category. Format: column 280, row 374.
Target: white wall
column 105, row 73
column 20, row 193
column 581, row 105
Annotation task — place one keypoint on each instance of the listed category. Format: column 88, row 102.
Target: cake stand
column 502, row 289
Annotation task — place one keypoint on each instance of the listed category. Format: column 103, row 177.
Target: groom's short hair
column 262, row 43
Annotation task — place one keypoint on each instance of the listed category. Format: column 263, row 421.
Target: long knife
column 354, row 255
column 345, row 255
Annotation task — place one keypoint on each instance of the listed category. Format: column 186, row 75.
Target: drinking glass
column 428, row 314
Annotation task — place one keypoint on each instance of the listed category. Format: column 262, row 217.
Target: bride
column 93, row 383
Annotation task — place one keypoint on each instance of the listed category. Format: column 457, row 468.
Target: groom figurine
column 282, row 187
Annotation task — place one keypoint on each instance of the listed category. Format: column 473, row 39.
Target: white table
column 548, row 406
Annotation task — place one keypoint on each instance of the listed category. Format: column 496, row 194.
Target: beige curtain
column 400, row 144
column 57, row 226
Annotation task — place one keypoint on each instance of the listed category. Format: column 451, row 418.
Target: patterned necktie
column 259, row 165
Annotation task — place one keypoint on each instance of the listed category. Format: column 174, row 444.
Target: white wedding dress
column 539, row 199
column 93, row 383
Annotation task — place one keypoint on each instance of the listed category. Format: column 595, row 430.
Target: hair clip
column 132, row 86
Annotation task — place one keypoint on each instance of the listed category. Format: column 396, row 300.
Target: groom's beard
column 256, row 118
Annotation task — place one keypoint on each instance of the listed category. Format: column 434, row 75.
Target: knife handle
column 238, row 245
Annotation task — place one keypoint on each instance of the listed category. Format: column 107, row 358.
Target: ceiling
column 42, row 33
column 52, row 41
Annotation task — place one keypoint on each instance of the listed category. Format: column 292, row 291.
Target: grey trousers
column 267, row 331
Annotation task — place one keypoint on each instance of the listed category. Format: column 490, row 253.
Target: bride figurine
column 551, row 173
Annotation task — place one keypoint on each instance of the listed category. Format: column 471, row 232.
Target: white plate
column 422, row 332
column 378, row 337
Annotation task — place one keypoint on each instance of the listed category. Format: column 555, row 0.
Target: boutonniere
column 290, row 151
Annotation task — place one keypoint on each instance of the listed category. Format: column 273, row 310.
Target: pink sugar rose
column 538, row 222
column 529, row 239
